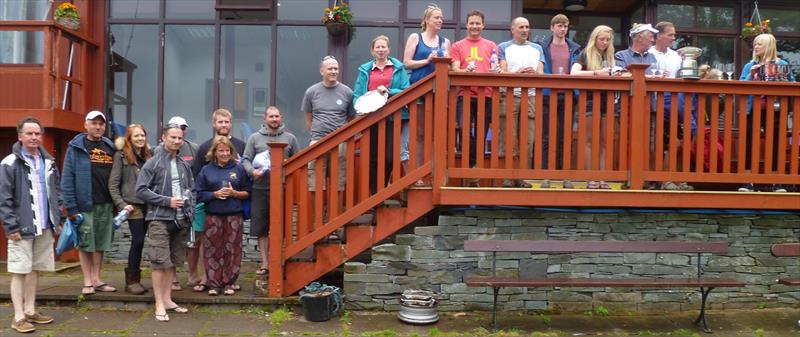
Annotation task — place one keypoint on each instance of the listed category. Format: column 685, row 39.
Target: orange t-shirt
column 479, row 51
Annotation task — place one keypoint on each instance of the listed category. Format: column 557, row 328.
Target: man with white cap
column 188, row 150
column 638, row 52
column 87, row 167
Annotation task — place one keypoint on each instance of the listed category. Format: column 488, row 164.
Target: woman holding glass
column 761, row 68
column 128, row 161
column 385, row 75
column 222, row 185
column 597, row 59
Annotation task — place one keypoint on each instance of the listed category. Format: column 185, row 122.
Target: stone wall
column 433, row 258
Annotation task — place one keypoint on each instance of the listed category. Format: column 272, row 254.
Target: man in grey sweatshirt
column 271, row 132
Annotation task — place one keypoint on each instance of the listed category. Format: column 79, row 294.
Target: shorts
column 96, row 232
column 312, row 169
column 165, row 250
column 259, row 213
column 25, row 256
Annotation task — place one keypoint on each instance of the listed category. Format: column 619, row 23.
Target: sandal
column 604, row 185
column 178, row 309
column 87, row 290
column 236, row 287
column 419, row 183
column 176, row 286
column 262, row 271
column 593, row 185
column 104, row 288
column 229, row 291
column 199, row 288
column 162, row 318
column 214, row 292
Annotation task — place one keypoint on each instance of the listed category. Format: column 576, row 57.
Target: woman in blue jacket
column 386, row 75
column 765, row 51
column 222, row 185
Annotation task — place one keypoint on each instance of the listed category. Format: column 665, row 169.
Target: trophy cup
column 689, row 64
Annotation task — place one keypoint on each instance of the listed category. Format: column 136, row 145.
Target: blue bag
column 69, row 235
column 199, row 221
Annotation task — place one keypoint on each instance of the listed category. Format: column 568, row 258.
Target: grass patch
column 645, row 333
column 601, row 311
column 379, row 333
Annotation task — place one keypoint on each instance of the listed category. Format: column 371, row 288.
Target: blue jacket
column 210, row 180
column 399, row 80
column 76, row 182
column 745, row 76
column 574, row 51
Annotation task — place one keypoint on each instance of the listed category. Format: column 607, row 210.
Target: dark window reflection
column 135, row 9
column 133, row 78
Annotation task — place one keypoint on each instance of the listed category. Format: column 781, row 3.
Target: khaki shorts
column 312, row 170
column 97, row 229
column 531, row 101
column 25, row 256
column 165, row 250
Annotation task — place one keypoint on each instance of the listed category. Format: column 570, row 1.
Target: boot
column 132, row 282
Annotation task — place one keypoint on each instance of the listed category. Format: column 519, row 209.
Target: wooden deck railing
column 635, row 153
column 57, row 85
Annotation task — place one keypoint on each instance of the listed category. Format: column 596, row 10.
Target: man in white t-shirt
column 524, row 57
column 668, row 60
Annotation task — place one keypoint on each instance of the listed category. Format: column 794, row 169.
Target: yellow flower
column 336, row 8
column 748, row 24
column 327, row 10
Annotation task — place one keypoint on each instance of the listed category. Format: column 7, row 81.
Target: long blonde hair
column 770, row 48
column 594, row 56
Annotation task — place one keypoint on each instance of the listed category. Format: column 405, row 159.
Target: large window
column 22, row 47
column 711, row 28
column 133, row 78
column 697, row 16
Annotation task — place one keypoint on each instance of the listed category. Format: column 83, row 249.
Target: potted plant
column 337, row 20
column 750, row 30
column 66, row 14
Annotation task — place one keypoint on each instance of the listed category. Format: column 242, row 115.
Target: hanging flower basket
column 71, row 23
column 756, row 26
column 337, row 28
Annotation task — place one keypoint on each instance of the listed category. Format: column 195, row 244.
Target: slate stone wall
column 433, row 258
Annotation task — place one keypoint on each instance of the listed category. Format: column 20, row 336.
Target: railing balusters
column 714, row 124
column 396, row 146
column 568, row 135
column 582, row 126
column 596, row 133
column 686, row 142
column 659, row 131
column 610, row 132
column 755, row 158
column 508, row 135
column 413, row 126
column 795, row 145
column 741, row 157
column 494, row 156
column 782, row 140
column 727, row 138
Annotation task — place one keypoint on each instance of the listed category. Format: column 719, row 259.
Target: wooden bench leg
column 495, row 290
column 702, row 318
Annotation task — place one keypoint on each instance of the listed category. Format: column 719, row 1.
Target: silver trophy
column 689, row 64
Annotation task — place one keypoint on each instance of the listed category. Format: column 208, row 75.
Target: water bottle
column 495, row 64
column 121, row 217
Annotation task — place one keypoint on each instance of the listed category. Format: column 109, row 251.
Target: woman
column 596, row 60
column 222, row 185
column 128, row 161
column 765, row 51
column 386, row 75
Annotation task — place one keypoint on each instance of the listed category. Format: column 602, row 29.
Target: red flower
column 338, row 17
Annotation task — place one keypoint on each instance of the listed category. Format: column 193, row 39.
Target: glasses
column 175, row 126
column 328, row 58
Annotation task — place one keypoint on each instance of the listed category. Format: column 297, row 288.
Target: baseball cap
column 94, row 114
column 178, row 121
column 641, row 28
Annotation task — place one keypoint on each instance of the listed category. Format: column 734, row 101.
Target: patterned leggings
column 222, row 249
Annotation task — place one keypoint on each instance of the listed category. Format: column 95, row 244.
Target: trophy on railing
column 689, row 64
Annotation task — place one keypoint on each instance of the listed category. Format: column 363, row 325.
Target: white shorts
column 25, row 256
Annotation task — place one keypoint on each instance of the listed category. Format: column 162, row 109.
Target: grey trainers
column 22, row 326
column 545, row 184
column 568, row 184
column 38, row 318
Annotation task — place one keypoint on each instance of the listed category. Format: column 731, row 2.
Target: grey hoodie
column 259, row 142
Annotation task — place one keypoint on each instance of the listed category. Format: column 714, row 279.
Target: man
column 31, row 209
column 473, row 54
column 87, row 166
column 669, row 62
column 165, row 184
column 667, row 59
column 560, row 52
column 221, row 123
column 328, row 105
column 188, row 150
column 272, row 131
column 638, row 51
column 524, row 57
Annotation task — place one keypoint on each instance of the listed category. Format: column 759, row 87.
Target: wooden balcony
column 635, row 154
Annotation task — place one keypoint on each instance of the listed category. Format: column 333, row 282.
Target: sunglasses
column 328, row 58
column 175, row 126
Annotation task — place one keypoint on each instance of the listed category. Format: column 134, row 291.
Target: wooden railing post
column 639, row 133
column 276, row 225
column 441, row 91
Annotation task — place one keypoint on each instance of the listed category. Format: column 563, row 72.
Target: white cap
column 178, row 121
column 641, row 28
column 94, row 114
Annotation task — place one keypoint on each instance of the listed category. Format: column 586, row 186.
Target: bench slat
column 786, row 249
column 563, row 246
column 597, row 282
column 790, row 281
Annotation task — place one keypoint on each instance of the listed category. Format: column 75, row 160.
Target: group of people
column 169, row 194
column 180, row 190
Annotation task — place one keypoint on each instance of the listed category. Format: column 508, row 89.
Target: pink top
column 559, row 57
column 479, row 51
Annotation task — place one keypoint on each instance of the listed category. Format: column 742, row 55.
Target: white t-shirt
column 519, row 56
column 670, row 60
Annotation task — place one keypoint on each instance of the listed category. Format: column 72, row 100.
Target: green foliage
column 645, row 333
column 279, row 316
column 345, row 318
column 380, row 333
column 759, row 332
column 546, row 320
column 434, row 332
column 601, row 311
column 762, row 305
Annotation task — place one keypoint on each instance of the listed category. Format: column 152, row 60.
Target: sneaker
column 22, row 326
column 473, row 182
column 508, row 183
column 670, row 186
column 545, row 184
column 747, row 188
column 685, row 187
column 593, row 185
column 568, row 184
column 38, row 318
column 778, row 188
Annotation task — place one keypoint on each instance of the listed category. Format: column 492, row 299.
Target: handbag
column 69, row 235
column 199, row 221
column 246, row 209
column 175, row 226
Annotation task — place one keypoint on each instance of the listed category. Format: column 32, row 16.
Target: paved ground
column 248, row 314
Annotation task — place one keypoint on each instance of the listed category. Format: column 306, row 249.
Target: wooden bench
column 560, row 246
column 787, row 250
